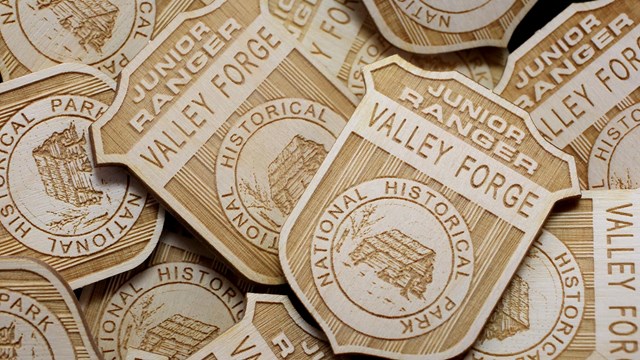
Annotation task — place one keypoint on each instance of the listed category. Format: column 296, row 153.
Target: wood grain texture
column 87, row 223
column 271, row 329
column 578, row 77
column 39, row 315
column 575, row 296
column 439, row 26
column 153, row 307
column 106, row 34
column 226, row 122
column 342, row 36
column 416, row 222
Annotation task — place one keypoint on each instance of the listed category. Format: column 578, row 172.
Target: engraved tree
column 360, row 226
column 258, row 198
column 141, row 315
column 623, row 183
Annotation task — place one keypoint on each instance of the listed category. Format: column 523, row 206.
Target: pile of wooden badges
column 342, row 179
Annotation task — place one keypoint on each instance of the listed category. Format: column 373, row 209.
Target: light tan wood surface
column 342, row 37
column 579, row 79
column 226, row 122
column 576, row 294
column 87, row 223
column 39, row 315
column 405, row 239
column 271, row 329
column 106, row 34
column 175, row 303
column 438, row 26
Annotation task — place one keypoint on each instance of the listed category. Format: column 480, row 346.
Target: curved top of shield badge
column 578, row 78
column 39, row 314
column 87, row 222
column 106, row 34
column 415, row 224
column 438, row 26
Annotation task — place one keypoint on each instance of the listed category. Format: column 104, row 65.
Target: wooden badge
column 438, row 26
column 271, row 329
column 87, row 223
column 107, row 34
column 342, row 37
column 226, row 122
column 576, row 294
column 39, row 316
column 174, row 304
column 579, row 79
column 413, row 227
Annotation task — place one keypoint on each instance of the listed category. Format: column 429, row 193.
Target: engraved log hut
column 90, row 21
column 292, row 170
column 398, row 260
column 511, row 316
column 178, row 336
column 65, row 169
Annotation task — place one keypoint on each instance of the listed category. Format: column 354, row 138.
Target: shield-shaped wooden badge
column 226, row 122
column 438, row 26
column 271, row 329
column 88, row 223
column 419, row 217
column 39, row 314
column 579, row 78
column 178, row 288
column 107, row 34
column 576, row 294
column 342, row 37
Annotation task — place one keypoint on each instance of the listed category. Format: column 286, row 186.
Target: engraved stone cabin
column 65, row 169
column 292, row 170
column 511, row 316
column 90, row 21
column 399, row 260
column 178, row 336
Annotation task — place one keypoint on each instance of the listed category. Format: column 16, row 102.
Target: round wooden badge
column 173, row 305
column 39, row 314
column 88, row 223
column 106, row 34
column 438, row 26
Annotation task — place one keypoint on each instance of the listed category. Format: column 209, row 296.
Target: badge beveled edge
column 483, row 315
column 227, row 255
column 396, row 41
column 23, row 263
column 69, row 68
column 544, row 32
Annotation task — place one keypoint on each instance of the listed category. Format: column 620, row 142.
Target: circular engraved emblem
column 615, row 153
column 28, row 330
column 454, row 16
column 541, row 309
column 266, row 161
column 469, row 63
column 194, row 301
column 52, row 198
column 103, row 33
column 395, row 255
